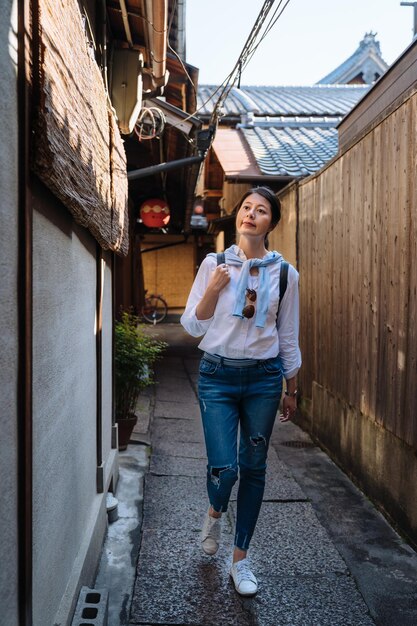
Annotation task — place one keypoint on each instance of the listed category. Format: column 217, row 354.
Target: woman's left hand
column 289, row 408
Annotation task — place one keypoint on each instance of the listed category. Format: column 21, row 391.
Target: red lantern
column 155, row 213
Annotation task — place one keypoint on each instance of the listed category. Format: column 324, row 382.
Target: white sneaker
column 244, row 580
column 210, row 534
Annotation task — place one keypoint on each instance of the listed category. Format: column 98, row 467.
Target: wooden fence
column 357, row 260
column 357, row 257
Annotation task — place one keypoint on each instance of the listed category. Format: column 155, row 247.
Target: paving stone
column 170, row 368
column 284, row 489
column 180, row 410
column 276, row 466
column 280, row 484
column 177, row 502
column 177, row 584
column 290, row 540
column 171, row 363
column 168, row 383
column 322, row 600
column 183, row 394
column 168, row 499
column 163, row 465
column 177, row 430
column 174, row 448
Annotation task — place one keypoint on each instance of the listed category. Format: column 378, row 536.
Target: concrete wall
column 8, row 311
column 69, row 517
column 107, row 332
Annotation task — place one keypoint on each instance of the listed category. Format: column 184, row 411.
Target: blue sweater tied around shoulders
column 263, row 292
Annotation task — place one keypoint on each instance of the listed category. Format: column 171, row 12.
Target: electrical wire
column 247, row 47
column 183, row 67
column 248, row 50
column 271, row 24
column 191, row 115
column 150, row 123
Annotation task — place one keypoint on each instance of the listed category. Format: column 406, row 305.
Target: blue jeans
column 230, row 397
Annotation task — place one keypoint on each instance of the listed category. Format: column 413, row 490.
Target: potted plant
column 135, row 354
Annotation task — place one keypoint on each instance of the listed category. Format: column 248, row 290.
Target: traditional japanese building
column 363, row 67
column 273, row 135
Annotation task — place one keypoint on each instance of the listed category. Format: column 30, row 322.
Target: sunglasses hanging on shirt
column 248, row 310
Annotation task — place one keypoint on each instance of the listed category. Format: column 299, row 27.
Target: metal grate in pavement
column 298, row 444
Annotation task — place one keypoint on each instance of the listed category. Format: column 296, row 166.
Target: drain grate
column 298, row 444
column 92, row 607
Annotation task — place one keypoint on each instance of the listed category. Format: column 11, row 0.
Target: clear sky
column 310, row 39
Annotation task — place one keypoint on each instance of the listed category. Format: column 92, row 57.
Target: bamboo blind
column 78, row 151
column 357, row 263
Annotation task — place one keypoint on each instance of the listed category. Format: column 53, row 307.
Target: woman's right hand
column 220, row 278
column 218, row 281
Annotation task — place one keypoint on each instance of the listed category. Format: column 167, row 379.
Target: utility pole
column 412, row 4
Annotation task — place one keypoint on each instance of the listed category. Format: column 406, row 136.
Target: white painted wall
column 107, row 361
column 8, row 312
column 69, row 517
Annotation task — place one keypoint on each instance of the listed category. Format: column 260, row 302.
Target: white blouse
column 236, row 338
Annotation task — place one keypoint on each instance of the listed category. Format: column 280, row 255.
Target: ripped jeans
column 230, row 397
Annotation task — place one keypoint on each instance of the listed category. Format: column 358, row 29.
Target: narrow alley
column 322, row 553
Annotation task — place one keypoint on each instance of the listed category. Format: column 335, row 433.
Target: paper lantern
column 154, row 213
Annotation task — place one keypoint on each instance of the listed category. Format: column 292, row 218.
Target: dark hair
column 268, row 194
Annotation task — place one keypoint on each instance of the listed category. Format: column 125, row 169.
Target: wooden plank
column 306, row 216
column 374, row 157
column 355, row 226
column 343, row 366
column 324, row 287
column 390, row 279
column 337, row 270
column 400, row 296
column 410, row 383
column 357, row 251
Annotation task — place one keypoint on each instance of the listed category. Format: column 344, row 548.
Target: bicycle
column 155, row 308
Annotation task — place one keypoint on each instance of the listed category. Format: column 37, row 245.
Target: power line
column 269, row 27
column 246, row 50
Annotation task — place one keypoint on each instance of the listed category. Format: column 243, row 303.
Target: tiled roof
column 275, row 101
column 366, row 60
column 291, row 149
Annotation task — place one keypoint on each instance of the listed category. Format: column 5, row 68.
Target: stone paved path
column 322, row 554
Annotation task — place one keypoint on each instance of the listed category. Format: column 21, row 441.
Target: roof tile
column 274, row 101
column 288, row 151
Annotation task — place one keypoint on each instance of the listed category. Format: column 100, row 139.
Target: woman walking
column 249, row 346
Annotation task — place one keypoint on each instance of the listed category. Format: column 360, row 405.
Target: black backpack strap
column 283, row 281
column 221, row 258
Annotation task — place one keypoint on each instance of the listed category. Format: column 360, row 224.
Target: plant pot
column 125, row 427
